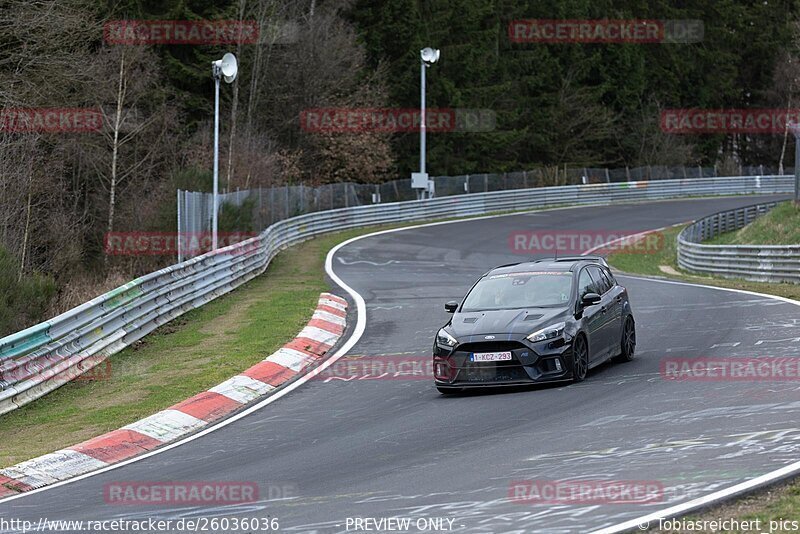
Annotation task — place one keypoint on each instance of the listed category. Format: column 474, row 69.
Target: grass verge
column 662, row 261
column 781, row 501
column 781, row 226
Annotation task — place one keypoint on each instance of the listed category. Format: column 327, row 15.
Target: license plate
column 490, row 356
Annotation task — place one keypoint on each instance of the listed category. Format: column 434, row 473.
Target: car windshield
column 520, row 290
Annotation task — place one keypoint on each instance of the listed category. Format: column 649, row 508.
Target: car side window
column 585, row 284
column 610, row 277
column 601, row 284
column 607, row 278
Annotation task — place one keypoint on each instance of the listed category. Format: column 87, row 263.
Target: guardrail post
column 180, row 233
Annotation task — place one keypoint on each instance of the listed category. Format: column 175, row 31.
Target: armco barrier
column 43, row 357
column 760, row 263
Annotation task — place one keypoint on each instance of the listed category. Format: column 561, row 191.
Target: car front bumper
column 545, row 361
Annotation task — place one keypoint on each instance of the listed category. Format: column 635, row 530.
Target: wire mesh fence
column 255, row 209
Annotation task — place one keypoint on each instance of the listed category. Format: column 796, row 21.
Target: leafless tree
column 136, row 114
column 45, row 45
column 579, row 126
column 655, row 146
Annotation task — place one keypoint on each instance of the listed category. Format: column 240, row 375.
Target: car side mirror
column 451, row 307
column 590, row 299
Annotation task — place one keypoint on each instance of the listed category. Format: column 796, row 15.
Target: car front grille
column 490, row 372
column 491, row 346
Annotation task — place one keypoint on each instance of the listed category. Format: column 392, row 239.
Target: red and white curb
column 309, row 347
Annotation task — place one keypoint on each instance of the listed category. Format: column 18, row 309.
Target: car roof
column 565, row 264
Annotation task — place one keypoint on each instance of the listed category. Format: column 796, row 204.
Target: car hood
column 518, row 321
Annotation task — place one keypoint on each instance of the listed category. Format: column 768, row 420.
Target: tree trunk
column 27, row 225
column 112, row 192
column 785, row 138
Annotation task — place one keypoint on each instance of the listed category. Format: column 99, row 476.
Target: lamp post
column 797, row 169
column 419, row 180
column 795, row 128
column 225, row 68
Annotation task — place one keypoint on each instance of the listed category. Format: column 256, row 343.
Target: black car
column 541, row 321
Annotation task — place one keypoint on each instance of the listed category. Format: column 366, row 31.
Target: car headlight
column 443, row 338
column 551, row 332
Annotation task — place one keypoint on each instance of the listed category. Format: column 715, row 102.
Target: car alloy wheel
column 580, row 359
column 628, row 343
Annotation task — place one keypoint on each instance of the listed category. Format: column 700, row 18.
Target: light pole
column 795, row 128
column 419, row 180
column 797, row 170
column 226, row 68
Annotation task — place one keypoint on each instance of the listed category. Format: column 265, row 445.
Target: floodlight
column 229, row 67
column 429, row 55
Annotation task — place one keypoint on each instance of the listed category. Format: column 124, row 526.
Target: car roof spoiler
column 596, row 259
column 571, row 259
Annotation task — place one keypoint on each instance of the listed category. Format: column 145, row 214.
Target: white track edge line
column 721, row 495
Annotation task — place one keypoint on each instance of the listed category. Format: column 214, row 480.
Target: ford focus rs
column 543, row 321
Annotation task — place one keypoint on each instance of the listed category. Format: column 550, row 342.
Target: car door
column 614, row 312
column 593, row 318
column 607, row 328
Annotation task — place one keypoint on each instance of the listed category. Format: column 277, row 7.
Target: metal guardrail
column 759, row 263
column 46, row 356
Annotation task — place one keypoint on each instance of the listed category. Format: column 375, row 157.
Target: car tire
column 449, row 391
column 628, row 342
column 580, row 359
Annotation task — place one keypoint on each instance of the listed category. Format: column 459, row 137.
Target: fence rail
column 43, row 357
column 759, row 263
